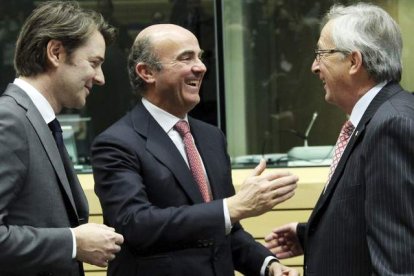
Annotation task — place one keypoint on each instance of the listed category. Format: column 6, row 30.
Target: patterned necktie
column 194, row 159
column 340, row 146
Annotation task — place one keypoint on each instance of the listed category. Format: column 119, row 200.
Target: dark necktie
column 75, row 191
column 194, row 159
column 57, row 134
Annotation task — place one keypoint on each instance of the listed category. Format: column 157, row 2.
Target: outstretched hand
column 283, row 241
column 260, row 193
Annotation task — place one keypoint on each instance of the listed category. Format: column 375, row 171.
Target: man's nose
column 99, row 78
column 315, row 66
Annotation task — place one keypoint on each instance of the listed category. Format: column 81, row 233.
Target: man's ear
column 356, row 62
column 146, row 73
column 55, row 52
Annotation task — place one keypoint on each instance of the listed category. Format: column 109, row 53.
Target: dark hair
column 141, row 51
column 63, row 21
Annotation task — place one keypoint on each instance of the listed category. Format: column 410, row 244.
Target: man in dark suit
column 43, row 210
column 363, row 222
column 174, row 219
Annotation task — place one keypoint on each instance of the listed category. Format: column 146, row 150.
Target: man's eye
column 94, row 64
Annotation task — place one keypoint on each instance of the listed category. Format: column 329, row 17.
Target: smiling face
column 77, row 73
column 333, row 69
column 175, row 88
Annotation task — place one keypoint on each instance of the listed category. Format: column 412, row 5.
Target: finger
column 283, row 181
column 270, row 237
column 283, row 190
column 114, row 249
column 292, row 272
column 282, row 230
column 110, row 257
column 282, row 254
column 103, row 263
column 271, row 244
column 119, row 239
column 276, row 175
column 259, row 168
column 282, row 198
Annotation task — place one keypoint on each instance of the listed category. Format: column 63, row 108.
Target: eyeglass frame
column 320, row 52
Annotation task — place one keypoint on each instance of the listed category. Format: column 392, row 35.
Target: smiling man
column 43, row 210
column 363, row 223
column 164, row 178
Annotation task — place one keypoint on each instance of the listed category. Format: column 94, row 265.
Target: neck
column 41, row 83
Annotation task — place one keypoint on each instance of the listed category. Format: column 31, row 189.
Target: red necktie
column 194, row 159
column 340, row 146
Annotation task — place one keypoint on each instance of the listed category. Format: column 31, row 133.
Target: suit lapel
column 164, row 150
column 388, row 91
column 45, row 136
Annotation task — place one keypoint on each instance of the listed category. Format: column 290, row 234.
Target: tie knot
column 55, row 126
column 182, row 127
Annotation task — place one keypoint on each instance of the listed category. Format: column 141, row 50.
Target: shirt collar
column 363, row 103
column 166, row 120
column 38, row 99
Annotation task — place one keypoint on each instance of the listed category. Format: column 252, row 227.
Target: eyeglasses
column 320, row 52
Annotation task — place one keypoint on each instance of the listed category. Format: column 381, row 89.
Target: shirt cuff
column 265, row 263
column 74, row 244
column 227, row 221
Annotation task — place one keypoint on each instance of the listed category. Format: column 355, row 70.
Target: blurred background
column 258, row 88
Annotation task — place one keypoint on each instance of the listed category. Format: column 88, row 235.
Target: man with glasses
column 164, row 178
column 363, row 223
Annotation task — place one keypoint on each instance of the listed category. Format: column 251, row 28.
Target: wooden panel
column 93, row 269
column 96, row 219
column 260, row 226
column 88, row 186
column 95, row 273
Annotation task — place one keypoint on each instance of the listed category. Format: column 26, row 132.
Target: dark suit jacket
column 148, row 194
column 37, row 203
column 364, row 223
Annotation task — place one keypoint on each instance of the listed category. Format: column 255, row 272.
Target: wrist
column 234, row 212
column 269, row 264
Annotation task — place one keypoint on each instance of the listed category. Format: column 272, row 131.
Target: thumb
column 259, row 168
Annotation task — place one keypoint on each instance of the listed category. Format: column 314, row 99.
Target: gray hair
column 372, row 31
column 141, row 51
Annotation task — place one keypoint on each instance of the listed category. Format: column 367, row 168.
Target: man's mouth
column 193, row 83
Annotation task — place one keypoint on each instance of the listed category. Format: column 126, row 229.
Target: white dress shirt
column 363, row 103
